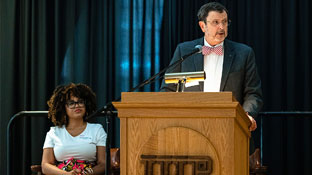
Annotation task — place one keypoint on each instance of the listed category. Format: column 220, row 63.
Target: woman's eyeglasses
column 72, row 104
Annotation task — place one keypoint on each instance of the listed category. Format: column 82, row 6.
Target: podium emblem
column 176, row 165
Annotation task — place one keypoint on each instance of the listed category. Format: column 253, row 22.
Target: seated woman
column 73, row 146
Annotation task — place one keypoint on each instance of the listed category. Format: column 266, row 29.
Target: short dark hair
column 211, row 6
column 61, row 94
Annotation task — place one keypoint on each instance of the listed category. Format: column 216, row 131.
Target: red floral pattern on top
column 71, row 164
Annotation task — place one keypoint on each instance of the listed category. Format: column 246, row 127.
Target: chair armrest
column 115, row 158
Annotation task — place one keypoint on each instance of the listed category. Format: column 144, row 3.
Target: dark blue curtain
column 114, row 45
column 137, row 42
column 111, row 46
column 134, row 44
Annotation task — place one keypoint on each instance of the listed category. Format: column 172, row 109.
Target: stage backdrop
column 114, row 45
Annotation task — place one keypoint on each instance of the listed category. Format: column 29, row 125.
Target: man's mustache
column 221, row 32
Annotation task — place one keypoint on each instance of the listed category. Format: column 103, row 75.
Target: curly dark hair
column 211, row 6
column 61, row 94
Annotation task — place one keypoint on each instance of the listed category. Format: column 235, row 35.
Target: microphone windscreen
column 199, row 47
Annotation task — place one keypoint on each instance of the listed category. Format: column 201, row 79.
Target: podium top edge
column 171, row 97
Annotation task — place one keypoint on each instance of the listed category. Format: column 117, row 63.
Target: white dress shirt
column 213, row 65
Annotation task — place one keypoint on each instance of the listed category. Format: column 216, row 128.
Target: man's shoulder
column 236, row 45
column 192, row 43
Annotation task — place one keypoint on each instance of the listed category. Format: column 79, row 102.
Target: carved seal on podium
column 197, row 165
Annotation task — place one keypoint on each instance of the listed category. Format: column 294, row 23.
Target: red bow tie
column 206, row 50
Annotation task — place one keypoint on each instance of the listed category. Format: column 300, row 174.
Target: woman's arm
column 48, row 163
column 100, row 157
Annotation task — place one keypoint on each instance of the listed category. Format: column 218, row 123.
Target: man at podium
column 228, row 65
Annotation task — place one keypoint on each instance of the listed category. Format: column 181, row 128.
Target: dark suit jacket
column 239, row 73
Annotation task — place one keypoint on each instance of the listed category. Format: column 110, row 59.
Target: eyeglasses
column 216, row 23
column 72, row 104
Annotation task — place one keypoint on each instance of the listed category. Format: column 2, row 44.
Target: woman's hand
column 80, row 172
column 75, row 172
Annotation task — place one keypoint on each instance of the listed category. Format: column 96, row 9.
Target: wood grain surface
column 204, row 124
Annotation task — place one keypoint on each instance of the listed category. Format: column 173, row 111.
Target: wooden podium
column 183, row 133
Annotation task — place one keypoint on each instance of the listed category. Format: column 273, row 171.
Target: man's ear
column 202, row 25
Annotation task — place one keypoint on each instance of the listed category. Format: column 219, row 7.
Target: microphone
column 106, row 109
column 198, row 49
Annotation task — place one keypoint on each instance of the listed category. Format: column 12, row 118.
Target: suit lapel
column 227, row 63
column 198, row 62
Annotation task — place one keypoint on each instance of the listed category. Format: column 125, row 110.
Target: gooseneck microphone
column 197, row 49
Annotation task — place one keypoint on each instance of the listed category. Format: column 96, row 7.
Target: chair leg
column 255, row 164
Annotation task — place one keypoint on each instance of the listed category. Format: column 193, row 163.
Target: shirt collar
column 206, row 43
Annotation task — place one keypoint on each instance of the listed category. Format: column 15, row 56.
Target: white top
column 213, row 65
column 81, row 147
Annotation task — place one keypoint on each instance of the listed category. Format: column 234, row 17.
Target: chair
column 255, row 167
column 115, row 163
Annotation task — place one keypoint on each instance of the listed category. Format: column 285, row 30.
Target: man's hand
column 253, row 125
